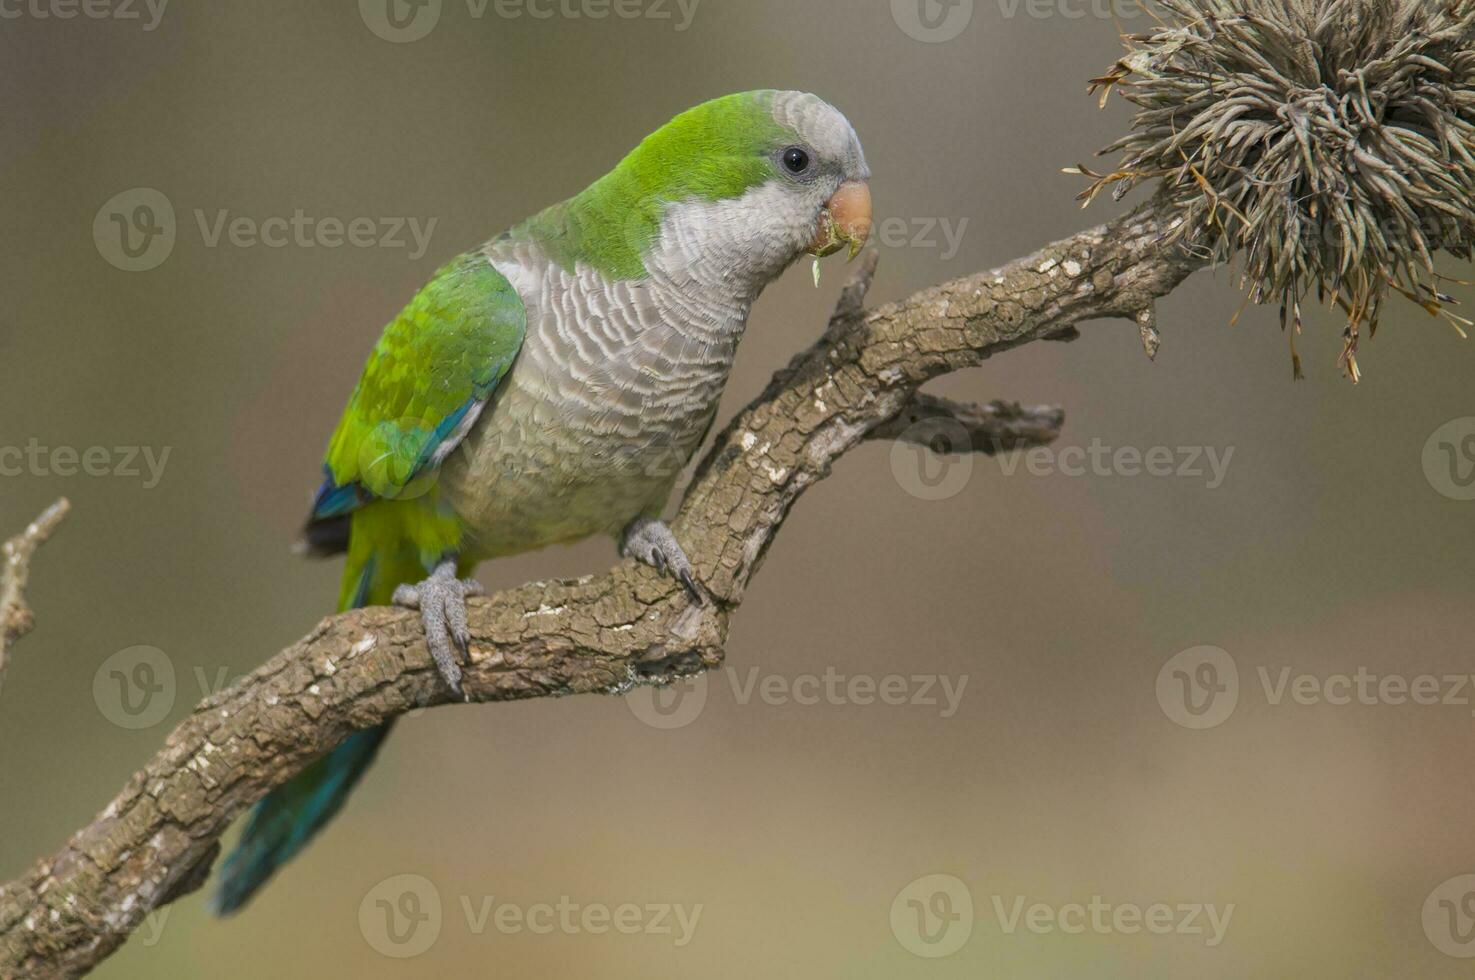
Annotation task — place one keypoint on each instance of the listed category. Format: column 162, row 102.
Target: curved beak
column 846, row 220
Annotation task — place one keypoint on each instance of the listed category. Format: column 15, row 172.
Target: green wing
column 428, row 378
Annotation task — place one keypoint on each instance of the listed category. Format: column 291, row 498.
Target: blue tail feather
column 282, row 823
column 289, row 816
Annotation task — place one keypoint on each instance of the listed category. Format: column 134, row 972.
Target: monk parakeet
column 553, row 384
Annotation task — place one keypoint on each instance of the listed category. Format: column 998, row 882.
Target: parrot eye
column 796, row 160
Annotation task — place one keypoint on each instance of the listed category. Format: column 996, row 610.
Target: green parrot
column 553, row 384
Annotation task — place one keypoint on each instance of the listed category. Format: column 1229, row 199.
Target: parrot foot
column 652, row 543
column 441, row 599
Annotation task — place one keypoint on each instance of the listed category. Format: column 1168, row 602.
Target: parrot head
column 819, row 172
column 825, row 164
column 736, row 188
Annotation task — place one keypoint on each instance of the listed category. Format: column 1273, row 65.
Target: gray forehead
column 823, row 127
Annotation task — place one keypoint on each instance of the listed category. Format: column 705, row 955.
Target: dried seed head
column 1314, row 142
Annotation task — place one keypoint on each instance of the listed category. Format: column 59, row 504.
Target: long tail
column 286, row 819
column 282, row 823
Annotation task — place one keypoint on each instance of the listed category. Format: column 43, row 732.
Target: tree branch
column 945, row 426
column 157, row 839
column 16, row 619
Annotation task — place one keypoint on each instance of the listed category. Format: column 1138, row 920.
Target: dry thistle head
column 1325, row 142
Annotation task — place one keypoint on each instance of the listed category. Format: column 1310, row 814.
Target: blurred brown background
column 795, row 827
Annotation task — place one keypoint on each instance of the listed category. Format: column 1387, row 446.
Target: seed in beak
column 846, row 220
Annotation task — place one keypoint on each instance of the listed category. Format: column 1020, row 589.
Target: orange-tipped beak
column 846, row 220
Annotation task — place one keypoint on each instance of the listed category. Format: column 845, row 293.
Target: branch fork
column 158, row 838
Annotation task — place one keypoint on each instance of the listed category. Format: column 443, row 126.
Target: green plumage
column 610, row 397
column 717, row 150
column 436, row 363
column 445, row 352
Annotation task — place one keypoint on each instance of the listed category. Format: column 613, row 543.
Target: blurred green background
column 795, row 827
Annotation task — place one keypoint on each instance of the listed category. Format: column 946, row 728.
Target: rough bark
column 945, row 426
column 158, row 838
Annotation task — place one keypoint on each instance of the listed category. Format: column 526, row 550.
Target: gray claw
column 653, row 543
column 689, row 580
column 441, row 599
